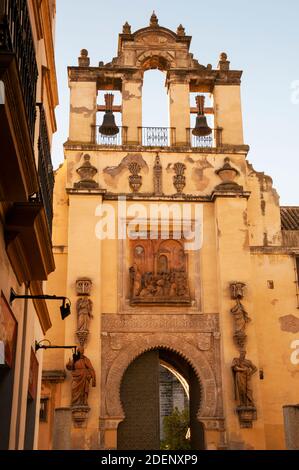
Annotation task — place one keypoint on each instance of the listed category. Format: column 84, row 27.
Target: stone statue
column 243, row 369
column 84, row 309
column 82, row 374
column 240, row 318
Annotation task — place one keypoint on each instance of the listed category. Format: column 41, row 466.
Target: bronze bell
column 108, row 126
column 201, row 128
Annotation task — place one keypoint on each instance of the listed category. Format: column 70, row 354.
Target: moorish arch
column 178, row 345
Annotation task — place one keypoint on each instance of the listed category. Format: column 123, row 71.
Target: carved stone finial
column 135, row 180
column 83, row 60
column 126, row 28
column 180, row 30
column 179, row 180
column 223, row 63
column 157, row 176
column 86, row 172
column 154, row 20
column 227, row 174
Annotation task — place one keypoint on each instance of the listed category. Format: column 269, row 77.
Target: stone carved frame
column 192, row 355
column 123, row 284
column 195, row 337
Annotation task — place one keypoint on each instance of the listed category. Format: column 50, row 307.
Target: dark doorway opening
column 160, row 394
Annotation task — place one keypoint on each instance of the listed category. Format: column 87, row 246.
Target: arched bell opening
column 202, row 126
column 109, row 117
column 160, row 391
column 155, row 107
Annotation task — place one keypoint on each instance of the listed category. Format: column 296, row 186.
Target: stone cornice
column 224, row 149
column 54, row 376
column 202, row 75
column 274, row 250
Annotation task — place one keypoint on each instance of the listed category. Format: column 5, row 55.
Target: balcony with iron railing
column 45, row 168
column 16, row 38
column 153, row 137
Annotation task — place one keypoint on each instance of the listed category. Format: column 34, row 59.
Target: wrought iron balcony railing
column 212, row 140
column 16, row 38
column 156, row 136
column 109, row 140
column 45, row 168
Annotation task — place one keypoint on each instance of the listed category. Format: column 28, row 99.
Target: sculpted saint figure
column 135, row 279
column 82, row 374
column 240, row 318
column 243, row 369
column 84, row 308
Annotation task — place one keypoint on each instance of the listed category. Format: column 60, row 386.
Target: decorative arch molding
column 161, row 31
column 155, row 59
column 174, row 343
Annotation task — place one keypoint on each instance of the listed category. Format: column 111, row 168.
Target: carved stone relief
column 158, row 273
column 164, row 275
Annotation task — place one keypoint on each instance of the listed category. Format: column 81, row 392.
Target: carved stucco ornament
column 86, row 173
column 158, row 191
column 179, row 180
column 204, row 341
column 83, row 286
column 135, row 180
column 228, row 174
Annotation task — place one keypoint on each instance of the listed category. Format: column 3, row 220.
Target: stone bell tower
column 140, row 302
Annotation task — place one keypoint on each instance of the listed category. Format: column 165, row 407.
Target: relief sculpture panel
column 159, row 272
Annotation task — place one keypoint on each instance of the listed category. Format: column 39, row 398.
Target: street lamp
column 65, row 308
column 39, row 345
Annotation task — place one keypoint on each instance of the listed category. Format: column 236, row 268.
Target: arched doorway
column 147, row 394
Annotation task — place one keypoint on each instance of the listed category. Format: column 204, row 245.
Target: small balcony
column 157, row 137
column 45, row 168
column 18, row 73
column 16, row 38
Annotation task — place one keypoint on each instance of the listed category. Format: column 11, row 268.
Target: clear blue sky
column 261, row 37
